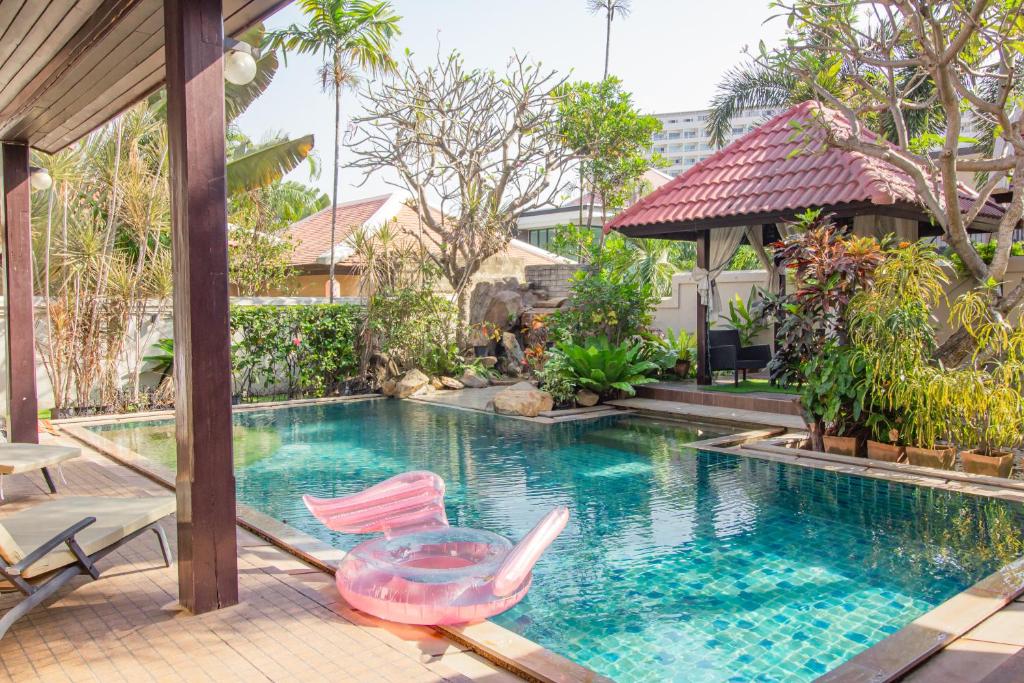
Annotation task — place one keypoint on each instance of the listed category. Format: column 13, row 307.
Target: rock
column 451, row 383
column 522, row 399
column 504, row 308
column 387, row 387
column 587, row 398
column 411, row 382
column 436, row 383
column 425, row 390
column 488, row 361
column 514, row 358
column 473, row 381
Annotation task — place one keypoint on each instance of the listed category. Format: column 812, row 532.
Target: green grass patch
column 751, row 385
column 44, row 414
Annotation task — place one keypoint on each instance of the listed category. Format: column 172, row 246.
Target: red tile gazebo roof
column 774, row 172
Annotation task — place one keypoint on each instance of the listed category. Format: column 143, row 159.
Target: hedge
column 304, row 350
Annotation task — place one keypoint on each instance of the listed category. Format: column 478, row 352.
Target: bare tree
column 611, row 8
column 910, row 58
column 484, row 146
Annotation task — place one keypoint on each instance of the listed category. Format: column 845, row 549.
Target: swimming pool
column 676, row 564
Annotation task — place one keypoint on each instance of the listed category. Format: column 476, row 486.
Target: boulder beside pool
column 522, row 399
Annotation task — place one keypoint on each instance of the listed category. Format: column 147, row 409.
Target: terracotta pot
column 939, row 458
column 886, row 451
column 999, row 464
column 682, row 368
column 841, row 445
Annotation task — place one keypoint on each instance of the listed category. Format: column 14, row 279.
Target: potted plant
column 833, row 399
column 684, row 345
column 988, row 416
column 891, row 326
column 927, row 417
column 483, row 337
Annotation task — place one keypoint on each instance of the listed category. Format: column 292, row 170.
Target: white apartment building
column 684, row 140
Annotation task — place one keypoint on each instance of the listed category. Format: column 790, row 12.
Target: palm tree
column 352, row 36
column 610, row 9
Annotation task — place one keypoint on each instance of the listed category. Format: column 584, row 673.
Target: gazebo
column 68, row 67
column 748, row 191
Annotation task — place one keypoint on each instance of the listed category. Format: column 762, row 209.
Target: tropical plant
column 744, row 317
column 988, row 413
column 683, row 343
column 829, row 269
column 352, row 37
column 603, row 367
column 610, row 8
column 163, row 360
column 557, row 378
column 891, row 326
column 834, row 393
column 602, row 307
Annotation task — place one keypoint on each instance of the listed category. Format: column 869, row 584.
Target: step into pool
column 677, row 564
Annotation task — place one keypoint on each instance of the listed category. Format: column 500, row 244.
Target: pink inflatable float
column 423, row 571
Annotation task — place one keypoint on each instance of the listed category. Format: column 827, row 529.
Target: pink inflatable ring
column 423, row 571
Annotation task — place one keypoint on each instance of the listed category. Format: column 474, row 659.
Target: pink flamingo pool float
column 423, row 571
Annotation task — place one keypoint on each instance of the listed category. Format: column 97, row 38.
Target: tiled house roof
column 776, row 169
column 312, row 235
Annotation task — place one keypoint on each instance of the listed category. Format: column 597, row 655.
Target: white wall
column 679, row 310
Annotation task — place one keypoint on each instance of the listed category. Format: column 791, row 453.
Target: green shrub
column 602, row 307
column 307, row 350
column 417, row 329
column 603, row 367
column 683, row 343
column 986, row 250
column 557, row 378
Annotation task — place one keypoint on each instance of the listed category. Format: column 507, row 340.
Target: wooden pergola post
column 703, row 357
column 207, row 552
column 18, row 304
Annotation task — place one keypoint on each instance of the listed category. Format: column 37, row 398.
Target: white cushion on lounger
column 116, row 518
column 17, row 458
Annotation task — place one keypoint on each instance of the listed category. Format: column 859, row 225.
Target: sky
column 669, row 53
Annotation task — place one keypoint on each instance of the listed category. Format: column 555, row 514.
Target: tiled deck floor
column 290, row 625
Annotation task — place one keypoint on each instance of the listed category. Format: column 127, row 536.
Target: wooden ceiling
column 69, row 66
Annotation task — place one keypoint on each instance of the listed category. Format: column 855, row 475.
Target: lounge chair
column 727, row 353
column 19, row 458
column 44, row 547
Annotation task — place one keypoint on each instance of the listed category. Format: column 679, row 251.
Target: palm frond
column 266, row 164
column 748, row 86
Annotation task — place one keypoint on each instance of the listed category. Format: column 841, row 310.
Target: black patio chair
column 728, row 354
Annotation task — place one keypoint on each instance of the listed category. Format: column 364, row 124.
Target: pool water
column 677, row 564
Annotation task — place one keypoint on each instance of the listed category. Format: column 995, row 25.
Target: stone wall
column 553, row 279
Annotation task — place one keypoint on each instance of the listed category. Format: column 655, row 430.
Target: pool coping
column 888, row 660
column 509, row 650
column 236, row 408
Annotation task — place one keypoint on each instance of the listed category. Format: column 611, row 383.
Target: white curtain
column 724, row 243
column 755, row 238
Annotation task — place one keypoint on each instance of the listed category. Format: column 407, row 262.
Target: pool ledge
column 508, row 650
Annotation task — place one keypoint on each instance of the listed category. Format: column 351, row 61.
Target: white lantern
column 239, row 67
column 39, row 179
